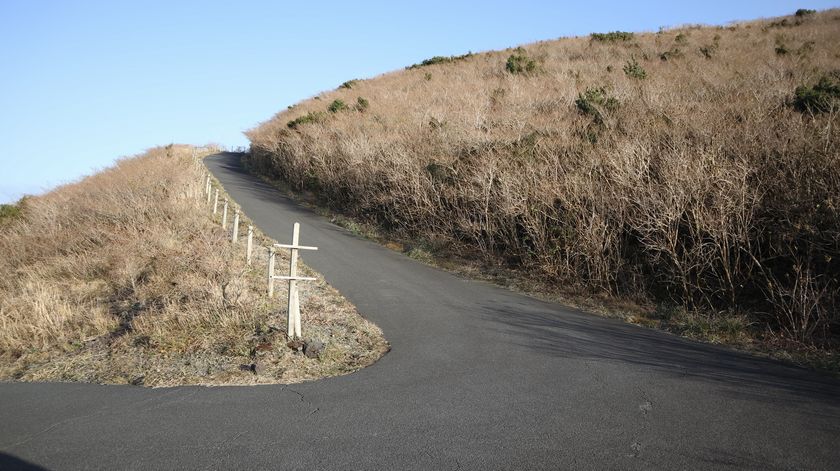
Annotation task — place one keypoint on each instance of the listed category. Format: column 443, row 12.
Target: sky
column 83, row 83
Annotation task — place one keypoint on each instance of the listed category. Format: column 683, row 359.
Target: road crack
column 310, row 406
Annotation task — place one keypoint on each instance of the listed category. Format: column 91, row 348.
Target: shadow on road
column 578, row 335
column 11, row 463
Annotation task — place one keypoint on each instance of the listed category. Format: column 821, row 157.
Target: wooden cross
column 293, row 319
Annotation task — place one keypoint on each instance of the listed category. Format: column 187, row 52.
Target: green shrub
column 781, row 50
column 311, row 117
column 427, row 76
column 634, row 70
column 10, row 212
column 362, row 104
column 804, row 12
column 820, row 98
column 681, row 38
column 594, row 101
column 337, row 105
column 708, row 51
column 432, row 61
column 520, row 64
column 614, row 36
column 440, row 60
column 348, row 84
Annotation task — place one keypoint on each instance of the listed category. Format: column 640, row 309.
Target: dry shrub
column 123, row 277
column 701, row 184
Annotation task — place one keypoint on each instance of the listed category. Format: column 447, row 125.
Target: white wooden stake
column 224, row 215
column 216, row 203
column 207, row 186
column 293, row 307
column 235, row 234
column 250, row 245
column 271, row 272
column 293, row 318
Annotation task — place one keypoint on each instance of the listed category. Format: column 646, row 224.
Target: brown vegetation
column 696, row 166
column 123, row 277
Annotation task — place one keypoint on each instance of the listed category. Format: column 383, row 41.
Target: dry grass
column 123, row 277
column 679, row 167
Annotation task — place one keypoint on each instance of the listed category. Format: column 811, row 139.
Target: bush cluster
column 634, row 70
column 520, row 64
column 337, row 105
column 595, row 102
column 440, row 60
column 614, row 36
column 348, row 84
column 819, row 98
column 311, row 117
column 362, row 104
column 10, row 212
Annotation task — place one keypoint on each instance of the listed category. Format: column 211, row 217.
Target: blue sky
column 84, row 83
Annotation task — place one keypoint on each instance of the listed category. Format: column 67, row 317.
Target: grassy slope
column 676, row 168
column 124, row 277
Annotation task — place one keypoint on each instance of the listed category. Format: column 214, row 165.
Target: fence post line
column 270, row 272
column 235, row 234
column 250, row 245
column 216, row 203
column 224, row 215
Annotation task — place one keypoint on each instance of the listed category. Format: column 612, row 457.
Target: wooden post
column 216, row 203
column 250, row 245
column 224, row 215
column 209, row 189
column 271, row 272
column 293, row 308
column 293, row 317
column 235, row 234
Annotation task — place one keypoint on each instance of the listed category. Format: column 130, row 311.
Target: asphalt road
column 478, row 378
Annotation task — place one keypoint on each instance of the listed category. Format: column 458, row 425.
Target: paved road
column 478, row 378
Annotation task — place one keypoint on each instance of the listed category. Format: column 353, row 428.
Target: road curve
column 478, row 378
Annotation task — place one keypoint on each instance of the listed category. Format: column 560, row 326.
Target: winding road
column 478, row 378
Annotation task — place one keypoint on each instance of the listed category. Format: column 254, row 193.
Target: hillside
column 125, row 277
column 694, row 171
